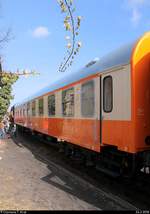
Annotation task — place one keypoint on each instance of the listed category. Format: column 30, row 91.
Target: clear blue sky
column 39, row 35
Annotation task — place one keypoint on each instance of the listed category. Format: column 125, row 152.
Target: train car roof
column 116, row 58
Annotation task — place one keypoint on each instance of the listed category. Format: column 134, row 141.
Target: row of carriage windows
column 68, row 100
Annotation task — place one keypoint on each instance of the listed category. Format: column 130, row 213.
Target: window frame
column 82, row 85
column 51, row 115
column 39, row 106
column 62, row 103
column 20, row 112
column 28, row 109
column 104, row 107
column 23, row 112
column 33, row 102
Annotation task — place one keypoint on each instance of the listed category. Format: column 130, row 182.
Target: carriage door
column 106, row 93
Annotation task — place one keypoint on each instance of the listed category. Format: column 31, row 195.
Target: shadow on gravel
column 71, row 186
column 59, row 179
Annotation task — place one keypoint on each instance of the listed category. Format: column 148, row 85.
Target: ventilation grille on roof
column 91, row 63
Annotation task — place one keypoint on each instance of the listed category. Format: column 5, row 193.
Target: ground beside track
column 32, row 182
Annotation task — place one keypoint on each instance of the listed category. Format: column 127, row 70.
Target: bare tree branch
column 62, row 69
column 5, row 37
column 71, row 26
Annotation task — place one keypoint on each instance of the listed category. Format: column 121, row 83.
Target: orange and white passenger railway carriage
column 102, row 112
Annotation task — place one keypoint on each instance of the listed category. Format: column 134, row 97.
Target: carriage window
column 88, row 99
column 68, row 102
column 20, row 112
column 23, row 112
column 28, row 109
column 51, row 105
column 108, row 94
column 41, row 107
column 33, row 108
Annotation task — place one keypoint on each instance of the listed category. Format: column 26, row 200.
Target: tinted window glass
column 108, row 94
column 68, row 102
column 28, row 109
column 41, row 107
column 23, row 112
column 33, row 108
column 88, row 99
column 51, row 105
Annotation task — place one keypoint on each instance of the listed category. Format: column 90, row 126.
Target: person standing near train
column 6, row 123
column 2, row 131
column 13, row 128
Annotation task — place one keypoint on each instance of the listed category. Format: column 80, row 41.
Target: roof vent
column 92, row 62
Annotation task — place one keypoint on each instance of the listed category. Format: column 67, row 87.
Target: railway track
column 130, row 195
